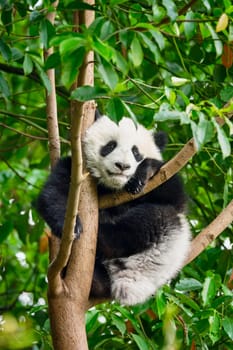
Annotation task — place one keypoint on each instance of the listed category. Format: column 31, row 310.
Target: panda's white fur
column 141, row 244
column 126, row 134
column 146, row 272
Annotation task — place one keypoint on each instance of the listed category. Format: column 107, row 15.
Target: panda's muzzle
column 122, row 166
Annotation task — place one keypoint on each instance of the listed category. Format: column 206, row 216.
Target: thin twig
column 24, row 133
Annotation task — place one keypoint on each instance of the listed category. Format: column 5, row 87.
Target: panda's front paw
column 78, row 228
column 134, row 185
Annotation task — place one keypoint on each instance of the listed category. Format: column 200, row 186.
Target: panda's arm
column 144, row 172
column 51, row 203
column 170, row 192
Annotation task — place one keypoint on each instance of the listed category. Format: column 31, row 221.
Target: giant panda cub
column 141, row 244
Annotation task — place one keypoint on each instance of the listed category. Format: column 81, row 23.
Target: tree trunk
column 68, row 295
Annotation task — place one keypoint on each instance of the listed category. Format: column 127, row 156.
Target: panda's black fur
column 141, row 244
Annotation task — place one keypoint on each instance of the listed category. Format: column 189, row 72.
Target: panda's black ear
column 160, row 138
column 98, row 115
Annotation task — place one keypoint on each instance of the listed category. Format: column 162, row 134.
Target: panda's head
column 113, row 151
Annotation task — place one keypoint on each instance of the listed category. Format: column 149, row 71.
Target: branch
column 213, row 230
column 61, row 91
column 24, row 133
column 51, row 106
column 84, row 249
column 54, row 149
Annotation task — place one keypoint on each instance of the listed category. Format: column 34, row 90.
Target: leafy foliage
column 161, row 62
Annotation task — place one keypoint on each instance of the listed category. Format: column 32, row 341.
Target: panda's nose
column 122, row 166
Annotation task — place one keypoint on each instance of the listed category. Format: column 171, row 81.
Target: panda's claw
column 134, row 185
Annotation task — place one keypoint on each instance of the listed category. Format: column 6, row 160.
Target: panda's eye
column 136, row 154
column 108, row 148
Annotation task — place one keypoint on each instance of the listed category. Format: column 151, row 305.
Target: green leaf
column 53, row 61
column 159, row 38
column 6, row 18
column 160, row 303
column 70, row 45
column 151, row 46
column 214, row 331
column 217, row 42
column 189, row 26
column 44, row 78
column 115, row 109
column 230, row 125
column 103, row 49
column 171, row 9
column 106, row 29
column 187, row 300
column 91, row 318
column 71, row 65
column 120, row 62
column 27, row 64
column 209, row 290
column 227, row 323
column 59, row 38
column 136, row 52
column 5, row 50
column 223, row 140
column 4, row 88
column 108, row 74
column 5, row 229
column 16, row 54
column 203, row 132
column 158, row 13
column 219, row 73
column 188, row 284
column 117, row 2
column 86, row 93
column 141, row 342
column 119, row 323
column 47, row 32
column 166, row 114
column 226, row 93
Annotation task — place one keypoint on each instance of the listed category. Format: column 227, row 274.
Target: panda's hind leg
column 132, row 290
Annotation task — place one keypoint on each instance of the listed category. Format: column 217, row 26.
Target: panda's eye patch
column 136, row 154
column 108, row 148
